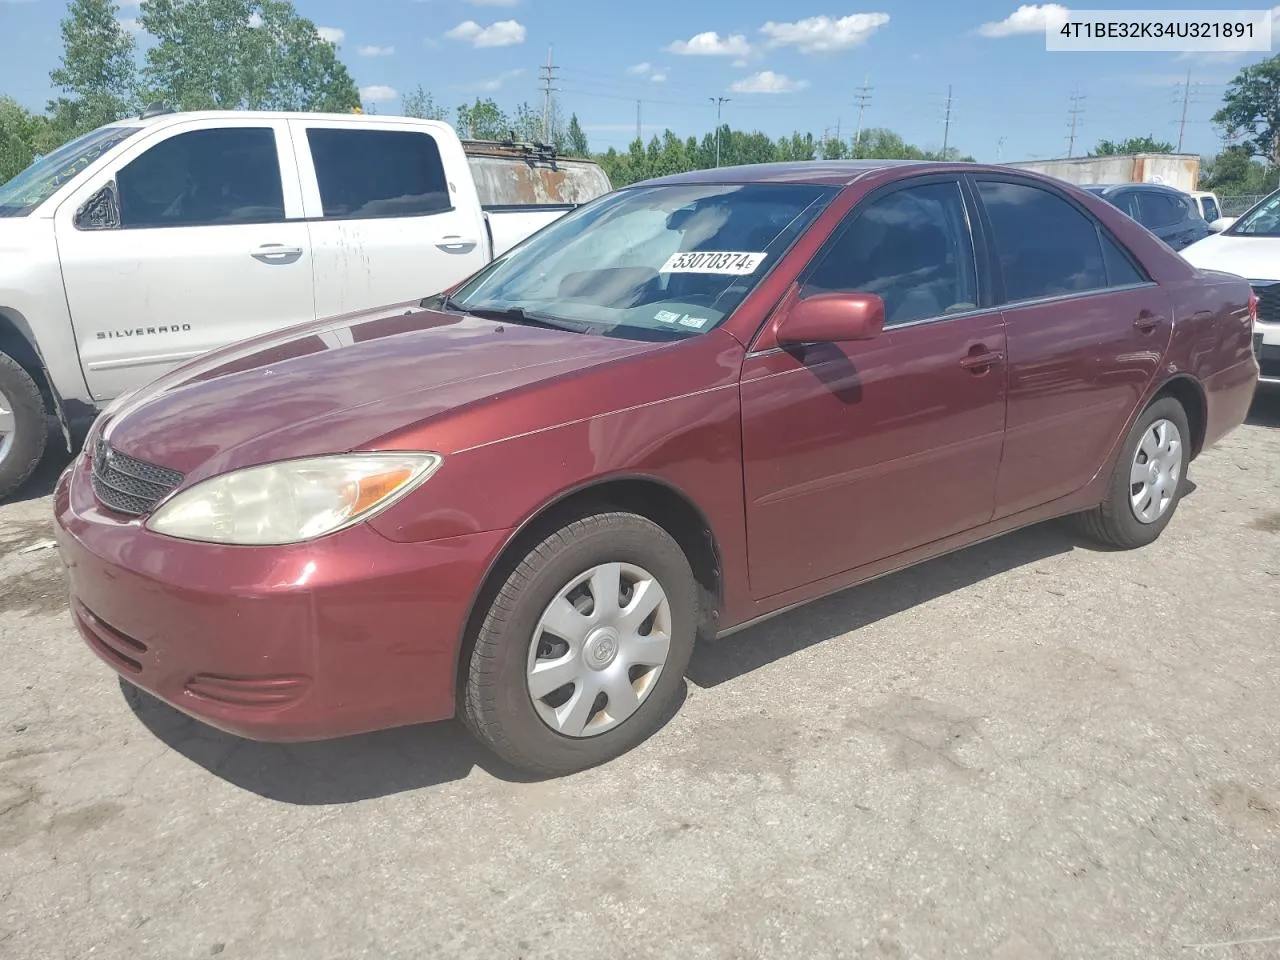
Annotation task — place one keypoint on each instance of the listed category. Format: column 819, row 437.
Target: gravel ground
column 1029, row 749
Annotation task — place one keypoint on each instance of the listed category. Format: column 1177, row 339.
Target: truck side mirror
column 101, row 211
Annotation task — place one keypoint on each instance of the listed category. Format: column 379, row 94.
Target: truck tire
column 23, row 430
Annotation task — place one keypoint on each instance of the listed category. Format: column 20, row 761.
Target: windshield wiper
column 522, row 316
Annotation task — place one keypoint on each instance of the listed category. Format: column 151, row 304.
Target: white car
column 1207, row 204
column 1250, row 247
column 150, row 241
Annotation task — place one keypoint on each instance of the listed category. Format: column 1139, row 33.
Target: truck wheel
column 22, row 425
column 583, row 650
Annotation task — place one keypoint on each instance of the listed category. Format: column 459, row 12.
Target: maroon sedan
column 686, row 406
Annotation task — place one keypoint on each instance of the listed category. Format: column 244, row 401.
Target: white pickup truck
column 148, row 242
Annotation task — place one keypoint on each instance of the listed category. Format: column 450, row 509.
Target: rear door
column 1170, row 218
column 392, row 211
column 192, row 238
column 1086, row 331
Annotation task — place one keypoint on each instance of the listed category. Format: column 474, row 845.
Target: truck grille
column 1268, row 295
column 126, row 485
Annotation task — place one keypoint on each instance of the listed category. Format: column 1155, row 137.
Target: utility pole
column 864, row 98
column 719, row 102
column 1186, row 96
column 548, row 75
column 946, row 126
column 639, row 133
column 1075, row 111
column 1000, row 149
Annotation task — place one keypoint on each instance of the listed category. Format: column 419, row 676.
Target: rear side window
column 378, row 173
column 1160, row 209
column 1046, row 247
column 204, row 177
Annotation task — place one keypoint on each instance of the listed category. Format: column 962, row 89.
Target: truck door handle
column 454, row 242
column 981, row 360
column 274, row 252
column 1147, row 321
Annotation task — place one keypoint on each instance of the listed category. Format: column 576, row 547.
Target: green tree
column 483, row 120
column 419, row 103
column 1147, row 144
column 576, row 139
column 1251, row 107
column 242, row 54
column 1235, row 172
column 97, row 72
column 23, row 137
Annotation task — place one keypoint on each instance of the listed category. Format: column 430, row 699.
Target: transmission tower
column 1076, row 99
column 548, row 74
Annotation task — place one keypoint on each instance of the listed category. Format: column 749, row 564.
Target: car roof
column 830, row 172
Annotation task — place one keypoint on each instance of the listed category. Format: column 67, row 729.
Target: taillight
column 1253, row 307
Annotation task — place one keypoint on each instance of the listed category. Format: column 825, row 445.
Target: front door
column 209, row 247
column 855, row 452
column 1086, row 332
column 393, row 212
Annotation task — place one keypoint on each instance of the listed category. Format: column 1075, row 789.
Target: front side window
column 1210, row 209
column 911, row 248
column 1046, row 247
column 1263, row 220
column 648, row 262
column 366, row 174
column 40, row 181
column 203, row 178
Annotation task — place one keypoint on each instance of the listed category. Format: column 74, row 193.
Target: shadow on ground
column 1265, row 411
column 394, row 761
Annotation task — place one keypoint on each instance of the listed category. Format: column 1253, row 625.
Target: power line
column 1074, row 112
column 548, row 73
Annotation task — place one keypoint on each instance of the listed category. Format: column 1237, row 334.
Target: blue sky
column 783, row 66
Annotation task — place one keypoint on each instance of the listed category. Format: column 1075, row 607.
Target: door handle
column 1147, row 321
column 270, row 252
column 981, row 361
column 454, row 242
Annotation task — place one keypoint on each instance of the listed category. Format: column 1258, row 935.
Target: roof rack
column 155, row 109
column 534, row 150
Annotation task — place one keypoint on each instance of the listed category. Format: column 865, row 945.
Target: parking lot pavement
column 1029, row 749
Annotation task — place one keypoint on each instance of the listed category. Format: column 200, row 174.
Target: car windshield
column 1262, row 221
column 649, row 262
column 36, row 184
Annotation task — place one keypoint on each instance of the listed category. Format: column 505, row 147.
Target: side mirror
column 832, row 318
column 1217, row 226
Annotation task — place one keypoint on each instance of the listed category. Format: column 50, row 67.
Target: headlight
column 293, row 500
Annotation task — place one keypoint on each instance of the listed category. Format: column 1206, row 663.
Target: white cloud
column 824, row 34
column 640, row 69
column 378, row 93
column 711, row 44
column 659, row 77
column 766, row 81
column 332, row 35
column 504, row 33
column 495, row 83
column 1028, row 18
column 131, row 24
column 372, row 50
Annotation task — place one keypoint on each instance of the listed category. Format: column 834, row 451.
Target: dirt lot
column 1030, row 749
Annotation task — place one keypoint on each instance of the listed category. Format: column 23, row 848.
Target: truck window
column 1210, row 209
column 378, row 173
column 204, row 177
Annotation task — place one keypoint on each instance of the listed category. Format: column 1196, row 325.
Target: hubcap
column 8, row 426
column 598, row 649
column 1156, row 471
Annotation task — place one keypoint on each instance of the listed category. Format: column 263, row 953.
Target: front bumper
column 346, row 634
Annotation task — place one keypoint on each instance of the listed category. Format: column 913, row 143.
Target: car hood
column 339, row 385
column 1254, row 258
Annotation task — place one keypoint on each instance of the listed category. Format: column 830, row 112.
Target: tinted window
column 1210, row 209
column 1160, row 209
column 1128, row 202
column 1120, row 269
column 912, row 248
column 36, row 184
column 378, row 173
column 204, row 177
column 1046, row 247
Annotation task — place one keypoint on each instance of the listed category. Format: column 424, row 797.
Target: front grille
column 1268, row 295
column 126, row 485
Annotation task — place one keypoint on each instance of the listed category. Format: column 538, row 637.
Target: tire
column 497, row 705
column 1116, row 522
column 21, row 449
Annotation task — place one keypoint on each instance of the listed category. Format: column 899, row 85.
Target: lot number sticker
column 730, row 263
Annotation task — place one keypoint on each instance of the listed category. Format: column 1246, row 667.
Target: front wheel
column 1147, row 484
column 583, row 650
column 23, row 432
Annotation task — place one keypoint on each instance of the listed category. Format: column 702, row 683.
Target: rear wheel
column 583, row 650
column 1147, row 484
column 22, row 425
